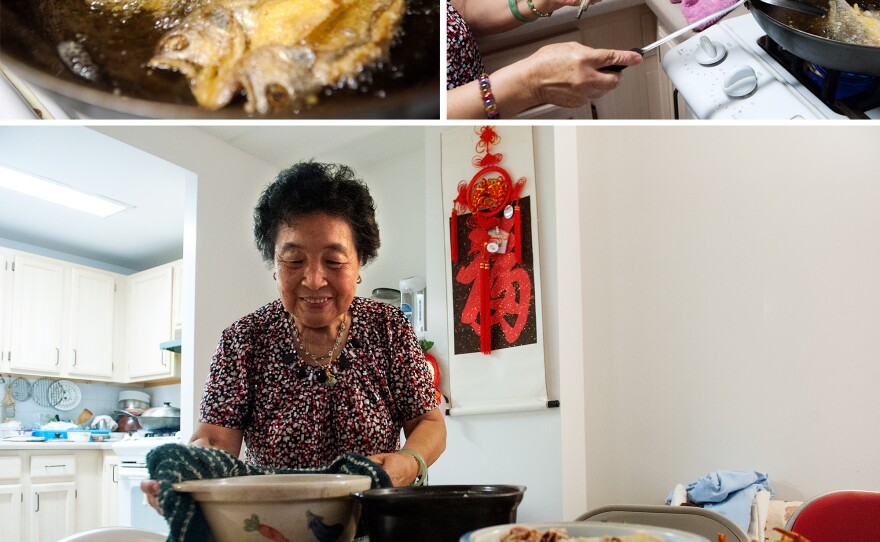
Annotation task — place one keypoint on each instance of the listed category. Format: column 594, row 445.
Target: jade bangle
column 422, row 478
column 516, row 13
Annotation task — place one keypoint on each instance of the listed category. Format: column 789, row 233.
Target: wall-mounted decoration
column 493, row 295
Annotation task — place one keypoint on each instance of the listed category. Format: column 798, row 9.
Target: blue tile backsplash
column 99, row 398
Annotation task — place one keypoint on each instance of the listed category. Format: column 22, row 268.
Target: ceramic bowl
column 585, row 529
column 79, row 436
column 297, row 507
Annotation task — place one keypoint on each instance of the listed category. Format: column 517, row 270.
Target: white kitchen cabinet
column 90, row 338
column 110, row 490
column 50, row 498
column 10, row 511
column 46, row 496
column 10, row 498
column 37, row 315
column 5, row 306
column 148, row 323
column 62, row 318
column 51, row 511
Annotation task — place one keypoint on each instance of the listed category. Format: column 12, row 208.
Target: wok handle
column 619, row 67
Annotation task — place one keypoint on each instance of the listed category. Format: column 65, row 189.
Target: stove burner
column 848, row 94
column 848, row 84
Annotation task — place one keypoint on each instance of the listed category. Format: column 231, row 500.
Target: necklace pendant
column 331, row 378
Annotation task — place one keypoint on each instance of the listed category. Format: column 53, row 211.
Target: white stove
column 133, row 509
column 747, row 83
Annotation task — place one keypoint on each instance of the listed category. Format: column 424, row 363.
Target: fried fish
column 851, row 24
column 279, row 53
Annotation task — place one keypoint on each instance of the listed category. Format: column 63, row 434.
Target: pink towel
column 694, row 10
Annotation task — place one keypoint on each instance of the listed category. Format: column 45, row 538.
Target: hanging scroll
column 493, row 298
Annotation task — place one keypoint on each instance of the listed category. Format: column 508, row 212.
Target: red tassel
column 517, row 247
column 485, row 310
column 453, row 235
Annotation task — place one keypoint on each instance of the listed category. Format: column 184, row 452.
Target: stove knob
column 710, row 52
column 741, row 83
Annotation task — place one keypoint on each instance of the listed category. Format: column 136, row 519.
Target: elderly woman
column 320, row 371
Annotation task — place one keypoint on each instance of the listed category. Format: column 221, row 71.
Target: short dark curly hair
column 313, row 187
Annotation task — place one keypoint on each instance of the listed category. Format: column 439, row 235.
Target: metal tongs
column 582, row 8
column 30, row 99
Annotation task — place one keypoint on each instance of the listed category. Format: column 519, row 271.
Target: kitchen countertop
column 55, row 444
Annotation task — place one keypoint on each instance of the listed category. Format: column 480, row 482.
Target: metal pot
column 407, row 86
column 163, row 418
column 800, row 34
column 126, row 423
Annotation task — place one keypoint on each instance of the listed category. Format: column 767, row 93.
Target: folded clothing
column 728, row 492
column 694, row 10
column 172, row 463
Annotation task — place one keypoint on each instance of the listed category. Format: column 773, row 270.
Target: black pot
column 436, row 513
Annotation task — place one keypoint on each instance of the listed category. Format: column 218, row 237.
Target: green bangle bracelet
column 422, row 478
column 535, row 10
column 516, row 13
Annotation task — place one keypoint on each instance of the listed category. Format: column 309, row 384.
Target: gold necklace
column 328, row 377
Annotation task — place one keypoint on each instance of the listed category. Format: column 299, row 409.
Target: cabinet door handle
column 36, row 502
column 74, row 357
column 57, row 356
column 115, row 474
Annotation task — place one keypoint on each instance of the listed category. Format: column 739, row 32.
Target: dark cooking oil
column 74, row 41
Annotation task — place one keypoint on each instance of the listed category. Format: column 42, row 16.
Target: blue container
column 50, row 434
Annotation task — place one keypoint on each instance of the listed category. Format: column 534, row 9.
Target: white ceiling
column 151, row 232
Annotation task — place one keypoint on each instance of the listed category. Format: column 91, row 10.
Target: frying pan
column 406, row 86
column 797, row 33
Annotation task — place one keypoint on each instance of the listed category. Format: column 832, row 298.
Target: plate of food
column 582, row 531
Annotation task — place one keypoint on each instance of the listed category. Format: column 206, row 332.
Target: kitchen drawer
column 10, row 467
column 53, row 465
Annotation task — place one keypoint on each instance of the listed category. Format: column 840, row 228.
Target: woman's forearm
column 510, row 86
column 486, row 17
column 426, row 435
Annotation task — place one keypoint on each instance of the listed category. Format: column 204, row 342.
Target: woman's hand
column 207, row 435
column 401, row 468
column 568, row 74
column 151, row 490
column 564, row 74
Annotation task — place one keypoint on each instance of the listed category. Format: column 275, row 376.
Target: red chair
column 839, row 516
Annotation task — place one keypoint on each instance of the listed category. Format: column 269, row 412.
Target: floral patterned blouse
column 260, row 385
column 463, row 60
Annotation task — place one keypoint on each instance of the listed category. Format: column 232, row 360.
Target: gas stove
column 732, row 70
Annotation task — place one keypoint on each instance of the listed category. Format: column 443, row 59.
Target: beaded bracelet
column 489, row 104
column 516, row 13
column 535, row 10
column 422, row 478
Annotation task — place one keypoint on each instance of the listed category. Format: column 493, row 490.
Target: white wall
column 397, row 186
column 521, row 448
column 222, row 267
column 731, row 301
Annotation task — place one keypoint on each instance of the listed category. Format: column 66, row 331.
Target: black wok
column 803, row 35
column 407, row 86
